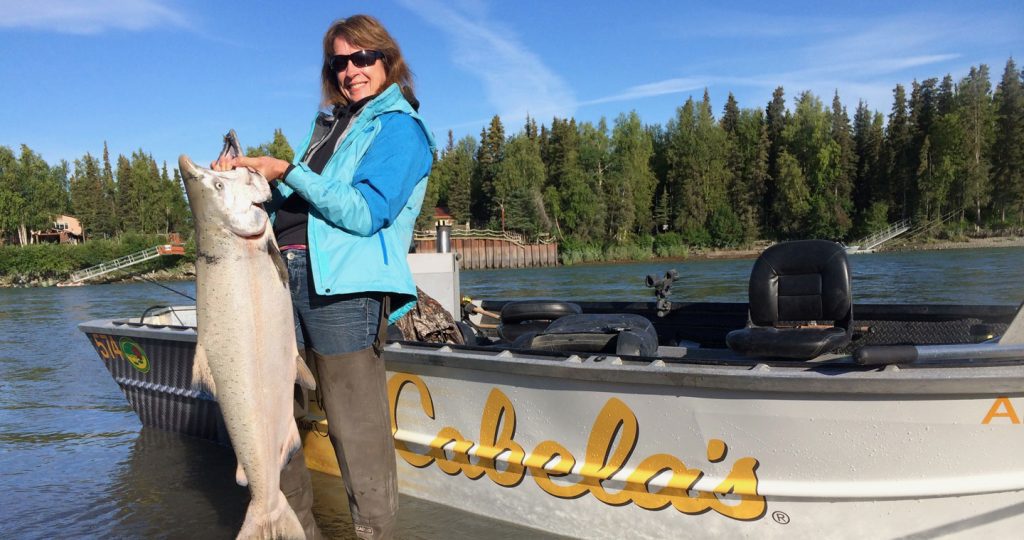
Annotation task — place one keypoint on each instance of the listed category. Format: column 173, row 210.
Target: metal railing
column 485, row 234
column 124, row 262
column 930, row 225
column 872, row 241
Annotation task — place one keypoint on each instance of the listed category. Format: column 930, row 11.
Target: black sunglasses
column 361, row 59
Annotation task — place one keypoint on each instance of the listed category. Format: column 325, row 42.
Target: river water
column 75, row 461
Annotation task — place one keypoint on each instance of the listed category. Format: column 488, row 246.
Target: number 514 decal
column 124, row 348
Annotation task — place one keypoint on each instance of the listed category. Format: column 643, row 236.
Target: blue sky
column 171, row 76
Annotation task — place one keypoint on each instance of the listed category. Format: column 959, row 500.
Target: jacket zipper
column 313, row 148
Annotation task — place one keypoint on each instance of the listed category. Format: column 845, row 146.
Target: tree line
column 808, row 170
column 135, row 196
column 785, row 171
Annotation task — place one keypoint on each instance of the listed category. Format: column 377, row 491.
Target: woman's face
column 357, row 83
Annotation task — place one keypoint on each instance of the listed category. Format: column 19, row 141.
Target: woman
column 343, row 216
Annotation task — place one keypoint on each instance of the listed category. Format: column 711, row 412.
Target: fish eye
column 218, row 185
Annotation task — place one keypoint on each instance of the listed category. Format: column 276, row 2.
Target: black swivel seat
column 800, row 302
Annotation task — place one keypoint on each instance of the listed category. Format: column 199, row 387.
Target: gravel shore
column 895, row 245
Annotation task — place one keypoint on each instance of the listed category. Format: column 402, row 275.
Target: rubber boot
column 298, row 489
column 354, row 390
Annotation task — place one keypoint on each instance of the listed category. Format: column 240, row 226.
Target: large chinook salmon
column 246, row 335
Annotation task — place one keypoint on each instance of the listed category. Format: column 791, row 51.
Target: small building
column 441, row 217
column 65, row 230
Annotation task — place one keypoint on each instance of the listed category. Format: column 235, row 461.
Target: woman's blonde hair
column 368, row 33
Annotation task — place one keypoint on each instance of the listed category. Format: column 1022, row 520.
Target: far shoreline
column 753, row 252
column 186, row 272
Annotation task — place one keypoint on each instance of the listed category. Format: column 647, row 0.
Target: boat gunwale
column 839, row 375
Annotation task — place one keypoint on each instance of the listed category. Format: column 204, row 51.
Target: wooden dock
column 490, row 250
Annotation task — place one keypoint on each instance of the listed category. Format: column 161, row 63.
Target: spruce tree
column 748, row 164
column 898, row 146
column 87, row 202
column 841, row 201
column 974, row 107
column 1008, row 146
column 112, row 225
column 730, row 115
column 457, row 165
column 488, row 158
column 128, row 200
column 775, row 120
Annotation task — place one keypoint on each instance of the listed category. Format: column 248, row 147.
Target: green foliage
column 453, row 174
column 670, row 245
column 11, row 200
column 630, row 182
column 873, row 219
column 517, row 188
column 573, row 252
column 489, row 155
column 793, row 202
column 725, row 228
column 58, row 261
column 629, row 252
column 38, row 261
column 1008, row 146
column 277, row 147
column 696, row 236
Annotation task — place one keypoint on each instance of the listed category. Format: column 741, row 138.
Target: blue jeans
column 333, row 324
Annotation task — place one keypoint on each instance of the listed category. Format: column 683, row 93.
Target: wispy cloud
column 88, row 17
column 659, row 88
column 516, row 81
column 862, row 57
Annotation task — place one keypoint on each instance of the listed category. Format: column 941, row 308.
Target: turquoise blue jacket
column 352, row 249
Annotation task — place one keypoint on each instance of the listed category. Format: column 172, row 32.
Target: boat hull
column 599, row 447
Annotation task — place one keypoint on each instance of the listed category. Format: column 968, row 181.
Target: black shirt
column 290, row 223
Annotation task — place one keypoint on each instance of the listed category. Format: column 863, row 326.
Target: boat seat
column 520, row 317
column 616, row 333
column 800, row 302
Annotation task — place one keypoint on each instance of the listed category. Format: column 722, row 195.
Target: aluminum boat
column 798, row 413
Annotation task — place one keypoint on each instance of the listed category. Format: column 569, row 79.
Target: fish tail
column 281, row 522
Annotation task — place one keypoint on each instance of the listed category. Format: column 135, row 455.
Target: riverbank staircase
column 871, row 242
column 174, row 247
column 904, row 228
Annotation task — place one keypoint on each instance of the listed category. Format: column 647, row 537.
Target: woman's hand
column 271, row 168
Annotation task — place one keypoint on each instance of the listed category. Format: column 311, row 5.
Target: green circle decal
column 134, row 353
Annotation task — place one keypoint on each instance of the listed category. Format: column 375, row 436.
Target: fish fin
column 240, row 477
column 272, row 520
column 275, row 255
column 303, row 375
column 202, row 377
column 291, row 445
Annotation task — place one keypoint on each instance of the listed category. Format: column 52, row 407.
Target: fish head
column 230, row 200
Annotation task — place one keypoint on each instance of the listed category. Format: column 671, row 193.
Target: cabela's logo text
column 606, row 455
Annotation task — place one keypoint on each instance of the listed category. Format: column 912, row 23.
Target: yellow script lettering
column 612, row 440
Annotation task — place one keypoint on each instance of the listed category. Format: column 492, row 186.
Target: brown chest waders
column 354, row 390
column 295, row 480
